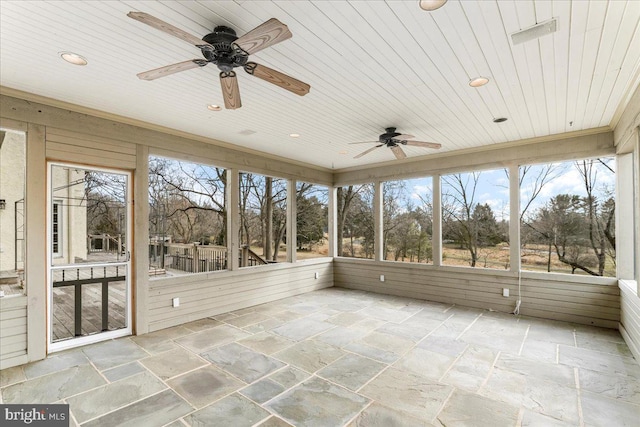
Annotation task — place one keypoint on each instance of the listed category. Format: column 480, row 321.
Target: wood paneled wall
column 585, row 300
column 205, row 295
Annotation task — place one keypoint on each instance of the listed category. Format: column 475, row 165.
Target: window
column 475, row 219
column 187, row 217
column 355, row 221
column 567, row 217
column 311, row 221
column 56, row 228
column 12, row 212
column 263, row 219
column 408, row 220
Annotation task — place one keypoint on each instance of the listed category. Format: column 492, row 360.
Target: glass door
column 89, row 252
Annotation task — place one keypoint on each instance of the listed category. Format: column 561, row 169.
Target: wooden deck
column 64, row 300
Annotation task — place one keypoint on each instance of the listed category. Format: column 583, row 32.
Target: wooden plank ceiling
column 370, row 64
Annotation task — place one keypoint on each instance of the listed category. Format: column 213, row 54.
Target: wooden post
column 105, row 305
column 77, row 328
column 196, row 259
column 436, row 233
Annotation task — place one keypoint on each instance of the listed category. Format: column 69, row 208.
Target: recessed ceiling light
column 342, row 152
column 214, row 107
column 430, row 5
column 294, row 135
column 478, row 81
column 500, row 120
column 73, row 58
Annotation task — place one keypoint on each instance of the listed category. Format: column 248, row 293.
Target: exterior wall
column 13, row 331
column 208, row 294
column 627, row 140
column 12, row 187
column 579, row 299
column 73, row 215
column 630, row 317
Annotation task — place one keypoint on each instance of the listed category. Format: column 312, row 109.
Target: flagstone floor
column 335, row 358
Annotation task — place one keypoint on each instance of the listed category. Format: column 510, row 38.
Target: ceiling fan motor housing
column 388, row 136
column 224, row 54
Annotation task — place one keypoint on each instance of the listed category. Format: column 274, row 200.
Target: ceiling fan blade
column 171, row 69
column 424, row 144
column 368, row 151
column 364, row 142
column 263, row 36
column 159, row 24
column 404, row 136
column 230, row 90
column 277, row 78
column 397, row 150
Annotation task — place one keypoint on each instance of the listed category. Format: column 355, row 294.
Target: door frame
column 101, row 336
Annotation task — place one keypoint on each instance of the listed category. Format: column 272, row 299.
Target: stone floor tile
column 463, row 380
column 598, row 361
column 162, row 340
column 232, row 411
column 52, row 387
column 613, row 386
column 411, row 330
column 376, row 415
column 603, row 345
column 173, row 362
column 540, row 350
column 202, row 324
column 346, row 318
column 216, row 336
column 552, row 332
column 368, row 324
column 266, row 325
column 205, row 385
column 341, row 336
column 534, row 419
column 289, row 376
column 242, row 362
column 262, row 390
column 387, row 342
column 123, row 371
column 248, row 319
column 301, row 406
column 113, row 353
column 274, row 421
column 386, row 314
column 449, row 329
column 476, row 361
column 407, row 392
column 541, row 396
column 310, row 355
column 266, row 342
column 468, row 409
column 425, row 363
column 506, row 343
column 561, row 374
column 107, row 398
column 55, row 363
column 10, row 376
column 156, row 410
column 351, row 371
column 601, row 411
column 443, row 345
column 301, row 329
column 372, row 352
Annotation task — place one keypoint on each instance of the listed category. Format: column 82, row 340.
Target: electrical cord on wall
column 516, row 311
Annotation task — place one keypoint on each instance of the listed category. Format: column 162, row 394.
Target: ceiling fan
column 225, row 49
column 394, row 140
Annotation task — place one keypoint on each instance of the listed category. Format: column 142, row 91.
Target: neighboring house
column 68, row 215
column 12, row 187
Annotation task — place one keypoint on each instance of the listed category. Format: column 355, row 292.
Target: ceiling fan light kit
column 395, row 140
column 431, row 5
column 227, row 51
